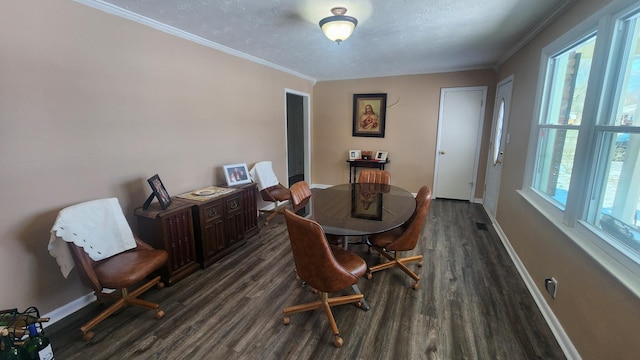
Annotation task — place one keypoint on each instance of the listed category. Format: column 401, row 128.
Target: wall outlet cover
column 551, row 284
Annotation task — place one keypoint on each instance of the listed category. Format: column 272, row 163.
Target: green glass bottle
column 8, row 351
column 37, row 346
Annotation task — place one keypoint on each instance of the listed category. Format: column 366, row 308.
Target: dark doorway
column 295, row 138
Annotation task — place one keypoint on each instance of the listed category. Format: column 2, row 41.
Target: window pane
column 497, row 135
column 569, row 76
column 629, row 92
column 554, row 162
column 616, row 205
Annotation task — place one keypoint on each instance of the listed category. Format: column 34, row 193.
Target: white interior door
column 499, row 138
column 458, row 144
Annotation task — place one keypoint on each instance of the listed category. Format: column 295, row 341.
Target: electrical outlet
column 551, row 284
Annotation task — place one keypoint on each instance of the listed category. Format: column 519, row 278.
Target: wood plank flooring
column 471, row 304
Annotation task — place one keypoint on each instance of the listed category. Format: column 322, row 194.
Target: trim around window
column 619, row 261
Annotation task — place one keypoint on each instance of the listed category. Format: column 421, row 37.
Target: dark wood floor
column 471, row 304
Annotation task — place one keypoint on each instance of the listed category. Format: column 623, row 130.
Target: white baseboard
column 561, row 336
column 69, row 308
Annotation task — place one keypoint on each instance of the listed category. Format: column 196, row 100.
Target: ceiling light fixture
column 338, row 27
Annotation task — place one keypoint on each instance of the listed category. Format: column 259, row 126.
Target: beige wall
column 411, row 125
column 601, row 317
column 91, row 105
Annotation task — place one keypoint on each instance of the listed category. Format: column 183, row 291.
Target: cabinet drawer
column 234, row 204
column 212, row 212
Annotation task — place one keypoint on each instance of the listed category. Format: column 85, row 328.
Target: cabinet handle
column 234, row 204
column 212, row 212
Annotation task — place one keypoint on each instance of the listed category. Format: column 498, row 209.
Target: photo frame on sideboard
column 381, row 155
column 236, row 174
column 354, row 154
column 159, row 192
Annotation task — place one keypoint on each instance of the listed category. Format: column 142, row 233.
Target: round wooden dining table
column 360, row 209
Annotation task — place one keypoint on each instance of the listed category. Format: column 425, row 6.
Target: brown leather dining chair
column 405, row 238
column 374, row 176
column 300, row 195
column 119, row 272
column 270, row 188
column 325, row 268
column 276, row 194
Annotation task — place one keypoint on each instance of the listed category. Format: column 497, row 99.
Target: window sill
column 619, row 265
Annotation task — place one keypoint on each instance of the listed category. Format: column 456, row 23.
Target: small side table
column 354, row 164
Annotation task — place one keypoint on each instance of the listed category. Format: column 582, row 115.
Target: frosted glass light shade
column 338, row 30
column 338, row 27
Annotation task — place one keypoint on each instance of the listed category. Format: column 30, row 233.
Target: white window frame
column 615, row 259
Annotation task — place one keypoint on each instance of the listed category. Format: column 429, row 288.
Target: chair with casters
column 374, row 176
column 87, row 236
column 326, row 268
column 405, row 238
column 300, row 195
column 270, row 188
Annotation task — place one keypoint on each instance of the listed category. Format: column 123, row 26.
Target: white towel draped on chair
column 99, row 226
column 262, row 173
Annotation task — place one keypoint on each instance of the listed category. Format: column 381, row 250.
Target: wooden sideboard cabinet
column 224, row 223
column 249, row 197
column 170, row 230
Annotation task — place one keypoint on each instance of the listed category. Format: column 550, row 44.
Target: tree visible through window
column 588, row 134
column 561, row 119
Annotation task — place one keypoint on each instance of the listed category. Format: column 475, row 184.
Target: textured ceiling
column 393, row 37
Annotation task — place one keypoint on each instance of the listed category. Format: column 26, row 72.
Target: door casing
column 493, row 174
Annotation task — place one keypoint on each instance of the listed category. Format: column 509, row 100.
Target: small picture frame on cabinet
column 381, row 155
column 354, row 154
column 159, row 191
column 236, row 174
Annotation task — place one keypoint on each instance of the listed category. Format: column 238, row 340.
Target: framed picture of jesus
column 369, row 112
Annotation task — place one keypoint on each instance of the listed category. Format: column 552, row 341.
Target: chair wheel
column 359, row 304
column 415, row 286
column 419, row 263
column 159, row 314
column 337, row 342
column 160, row 285
column 369, row 276
column 286, row 320
column 87, row 336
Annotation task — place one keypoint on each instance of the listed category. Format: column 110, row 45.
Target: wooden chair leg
column 399, row 262
column 123, row 299
column 325, row 303
column 272, row 213
column 103, row 315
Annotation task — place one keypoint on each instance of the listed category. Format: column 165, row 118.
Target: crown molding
column 552, row 16
column 126, row 14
